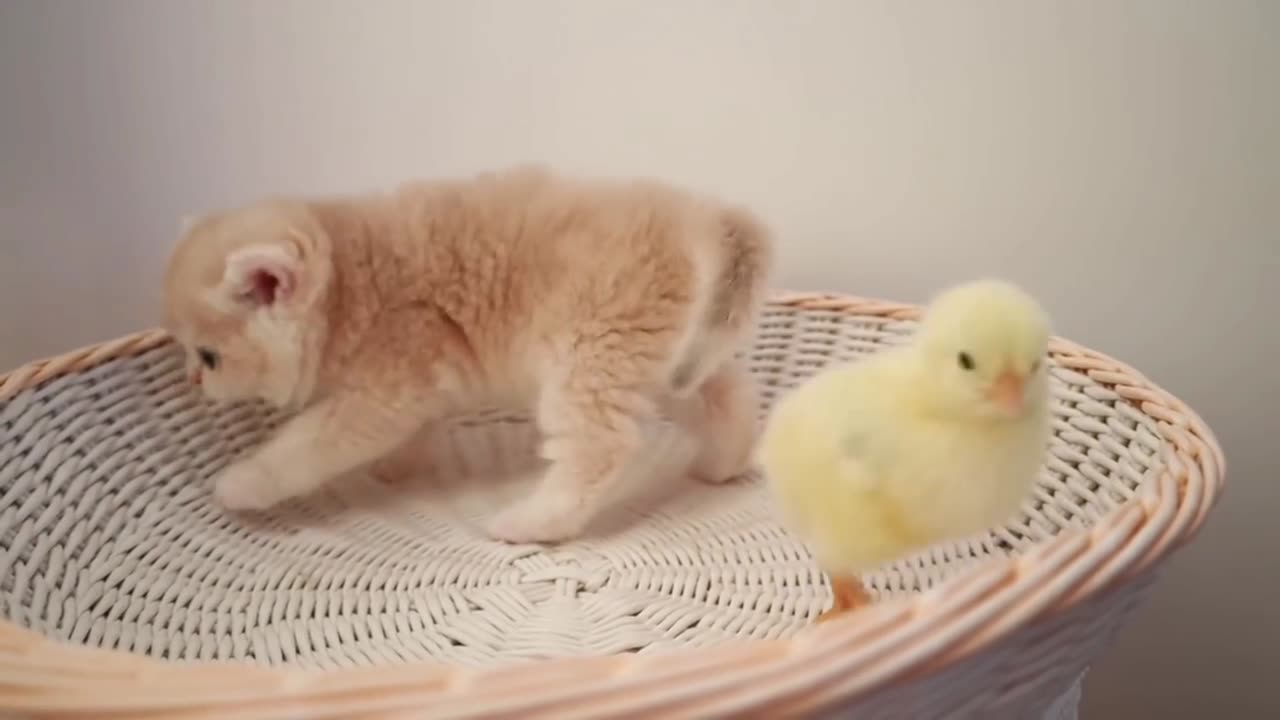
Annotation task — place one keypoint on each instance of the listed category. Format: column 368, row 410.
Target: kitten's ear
column 187, row 222
column 261, row 274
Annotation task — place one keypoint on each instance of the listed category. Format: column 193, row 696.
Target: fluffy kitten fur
column 599, row 305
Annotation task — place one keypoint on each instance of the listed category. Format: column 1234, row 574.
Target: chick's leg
column 847, row 594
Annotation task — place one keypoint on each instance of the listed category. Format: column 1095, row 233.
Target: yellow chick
column 935, row 440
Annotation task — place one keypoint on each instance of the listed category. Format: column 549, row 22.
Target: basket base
column 1067, row 705
column 1064, row 706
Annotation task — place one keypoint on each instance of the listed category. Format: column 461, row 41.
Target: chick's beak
column 1006, row 392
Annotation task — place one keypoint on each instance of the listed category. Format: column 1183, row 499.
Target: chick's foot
column 847, row 594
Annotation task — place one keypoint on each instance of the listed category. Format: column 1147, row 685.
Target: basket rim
column 849, row 657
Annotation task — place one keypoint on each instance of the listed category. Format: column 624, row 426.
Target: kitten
column 600, row 306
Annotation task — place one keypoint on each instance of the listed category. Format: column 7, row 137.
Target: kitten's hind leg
column 722, row 418
column 593, row 418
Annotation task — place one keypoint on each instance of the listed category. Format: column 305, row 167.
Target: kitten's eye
column 208, row 357
column 965, row 360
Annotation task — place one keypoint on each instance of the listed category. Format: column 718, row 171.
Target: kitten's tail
column 743, row 281
column 743, row 252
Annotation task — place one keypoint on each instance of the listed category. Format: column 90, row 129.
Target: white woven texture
column 109, row 537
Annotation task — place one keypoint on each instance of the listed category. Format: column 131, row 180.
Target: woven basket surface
column 109, row 539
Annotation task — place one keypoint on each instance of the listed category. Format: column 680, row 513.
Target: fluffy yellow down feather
column 932, row 441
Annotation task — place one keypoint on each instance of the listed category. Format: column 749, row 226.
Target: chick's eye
column 965, row 360
column 1035, row 366
column 208, row 357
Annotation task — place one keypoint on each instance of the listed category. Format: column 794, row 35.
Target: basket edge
column 1193, row 444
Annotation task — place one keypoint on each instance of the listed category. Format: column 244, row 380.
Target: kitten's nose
column 194, row 376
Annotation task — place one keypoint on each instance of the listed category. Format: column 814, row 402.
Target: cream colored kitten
column 598, row 305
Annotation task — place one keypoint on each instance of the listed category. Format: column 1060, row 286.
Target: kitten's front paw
column 246, row 485
column 536, row 520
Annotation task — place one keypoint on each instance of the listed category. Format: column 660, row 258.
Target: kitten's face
column 223, row 357
column 228, row 296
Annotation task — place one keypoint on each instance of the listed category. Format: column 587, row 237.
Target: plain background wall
column 1119, row 158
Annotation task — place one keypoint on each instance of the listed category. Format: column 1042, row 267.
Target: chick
column 931, row 441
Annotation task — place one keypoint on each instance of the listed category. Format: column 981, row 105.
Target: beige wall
column 1121, row 158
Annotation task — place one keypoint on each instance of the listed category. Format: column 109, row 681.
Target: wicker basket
column 127, row 593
